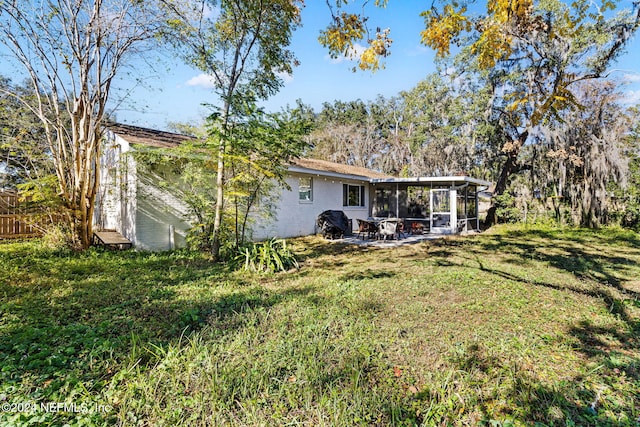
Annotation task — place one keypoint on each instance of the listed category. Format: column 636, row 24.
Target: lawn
column 515, row 326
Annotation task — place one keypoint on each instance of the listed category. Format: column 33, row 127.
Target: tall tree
column 243, row 46
column 449, row 116
column 255, row 162
column 71, row 51
column 440, row 127
column 24, row 153
column 584, row 155
column 552, row 48
column 347, row 132
column 535, row 53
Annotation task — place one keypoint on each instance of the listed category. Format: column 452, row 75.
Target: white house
column 150, row 216
column 317, row 186
column 154, row 217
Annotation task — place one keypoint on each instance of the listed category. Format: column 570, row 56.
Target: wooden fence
column 16, row 220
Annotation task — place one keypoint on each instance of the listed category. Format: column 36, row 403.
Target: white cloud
column 631, row 78
column 202, row 80
column 354, row 55
column 631, row 97
column 417, row 51
column 286, row 77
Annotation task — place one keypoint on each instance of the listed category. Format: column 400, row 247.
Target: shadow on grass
column 508, row 393
column 602, row 265
column 323, row 253
column 76, row 318
column 367, row 274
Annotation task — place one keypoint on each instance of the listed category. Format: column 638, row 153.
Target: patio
column 379, row 243
column 410, row 239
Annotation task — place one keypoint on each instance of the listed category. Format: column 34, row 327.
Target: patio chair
column 416, row 228
column 388, row 229
column 366, row 228
column 402, row 230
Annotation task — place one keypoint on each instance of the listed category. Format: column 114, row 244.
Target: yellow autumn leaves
column 495, row 30
column 442, row 29
column 341, row 36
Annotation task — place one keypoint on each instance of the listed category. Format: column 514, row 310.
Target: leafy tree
column 242, row 45
column 534, row 55
column 551, row 53
column 24, row 153
column 440, row 127
column 631, row 195
column 347, row 132
column 492, row 36
column 585, row 153
column 449, row 118
column 255, row 162
column 71, row 52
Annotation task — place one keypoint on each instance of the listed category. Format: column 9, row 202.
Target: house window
column 305, row 189
column 352, row 195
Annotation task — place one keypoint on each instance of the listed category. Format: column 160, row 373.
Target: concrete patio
column 391, row 243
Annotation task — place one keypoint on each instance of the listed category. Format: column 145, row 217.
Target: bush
column 631, row 216
column 57, row 238
column 506, row 209
column 269, row 256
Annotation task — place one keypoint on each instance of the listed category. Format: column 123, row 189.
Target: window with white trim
column 352, row 195
column 305, row 190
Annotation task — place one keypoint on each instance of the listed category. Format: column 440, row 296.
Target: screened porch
column 439, row 205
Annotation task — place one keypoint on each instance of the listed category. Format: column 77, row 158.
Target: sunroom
column 439, row 205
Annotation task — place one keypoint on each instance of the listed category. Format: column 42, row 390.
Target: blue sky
column 320, row 79
column 174, row 92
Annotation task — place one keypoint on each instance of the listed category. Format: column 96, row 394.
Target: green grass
column 516, row 326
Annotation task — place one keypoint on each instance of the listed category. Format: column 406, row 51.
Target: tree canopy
column 24, row 153
column 244, row 47
column 71, row 52
column 534, row 57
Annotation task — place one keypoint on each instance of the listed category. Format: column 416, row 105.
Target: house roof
column 330, row 168
column 148, row 137
column 162, row 139
column 455, row 180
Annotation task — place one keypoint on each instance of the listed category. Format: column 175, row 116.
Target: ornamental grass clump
column 270, row 256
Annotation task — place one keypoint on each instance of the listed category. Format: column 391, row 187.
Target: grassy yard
column 515, row 326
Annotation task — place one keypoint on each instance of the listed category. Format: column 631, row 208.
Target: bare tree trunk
column 71, row 51
column 217, row 221
column 222, row 148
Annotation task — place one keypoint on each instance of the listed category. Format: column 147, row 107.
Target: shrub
column 269, row 256
column 631, row 216
column 506, row 209
column 57, row 238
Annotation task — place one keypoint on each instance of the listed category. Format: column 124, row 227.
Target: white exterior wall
column 116, row 199
column 294, row 217
column 134, row 204
column 160, row 217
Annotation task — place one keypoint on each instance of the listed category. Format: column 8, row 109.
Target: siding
column 295, row 218
column 133, row 202
column 157, row 210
